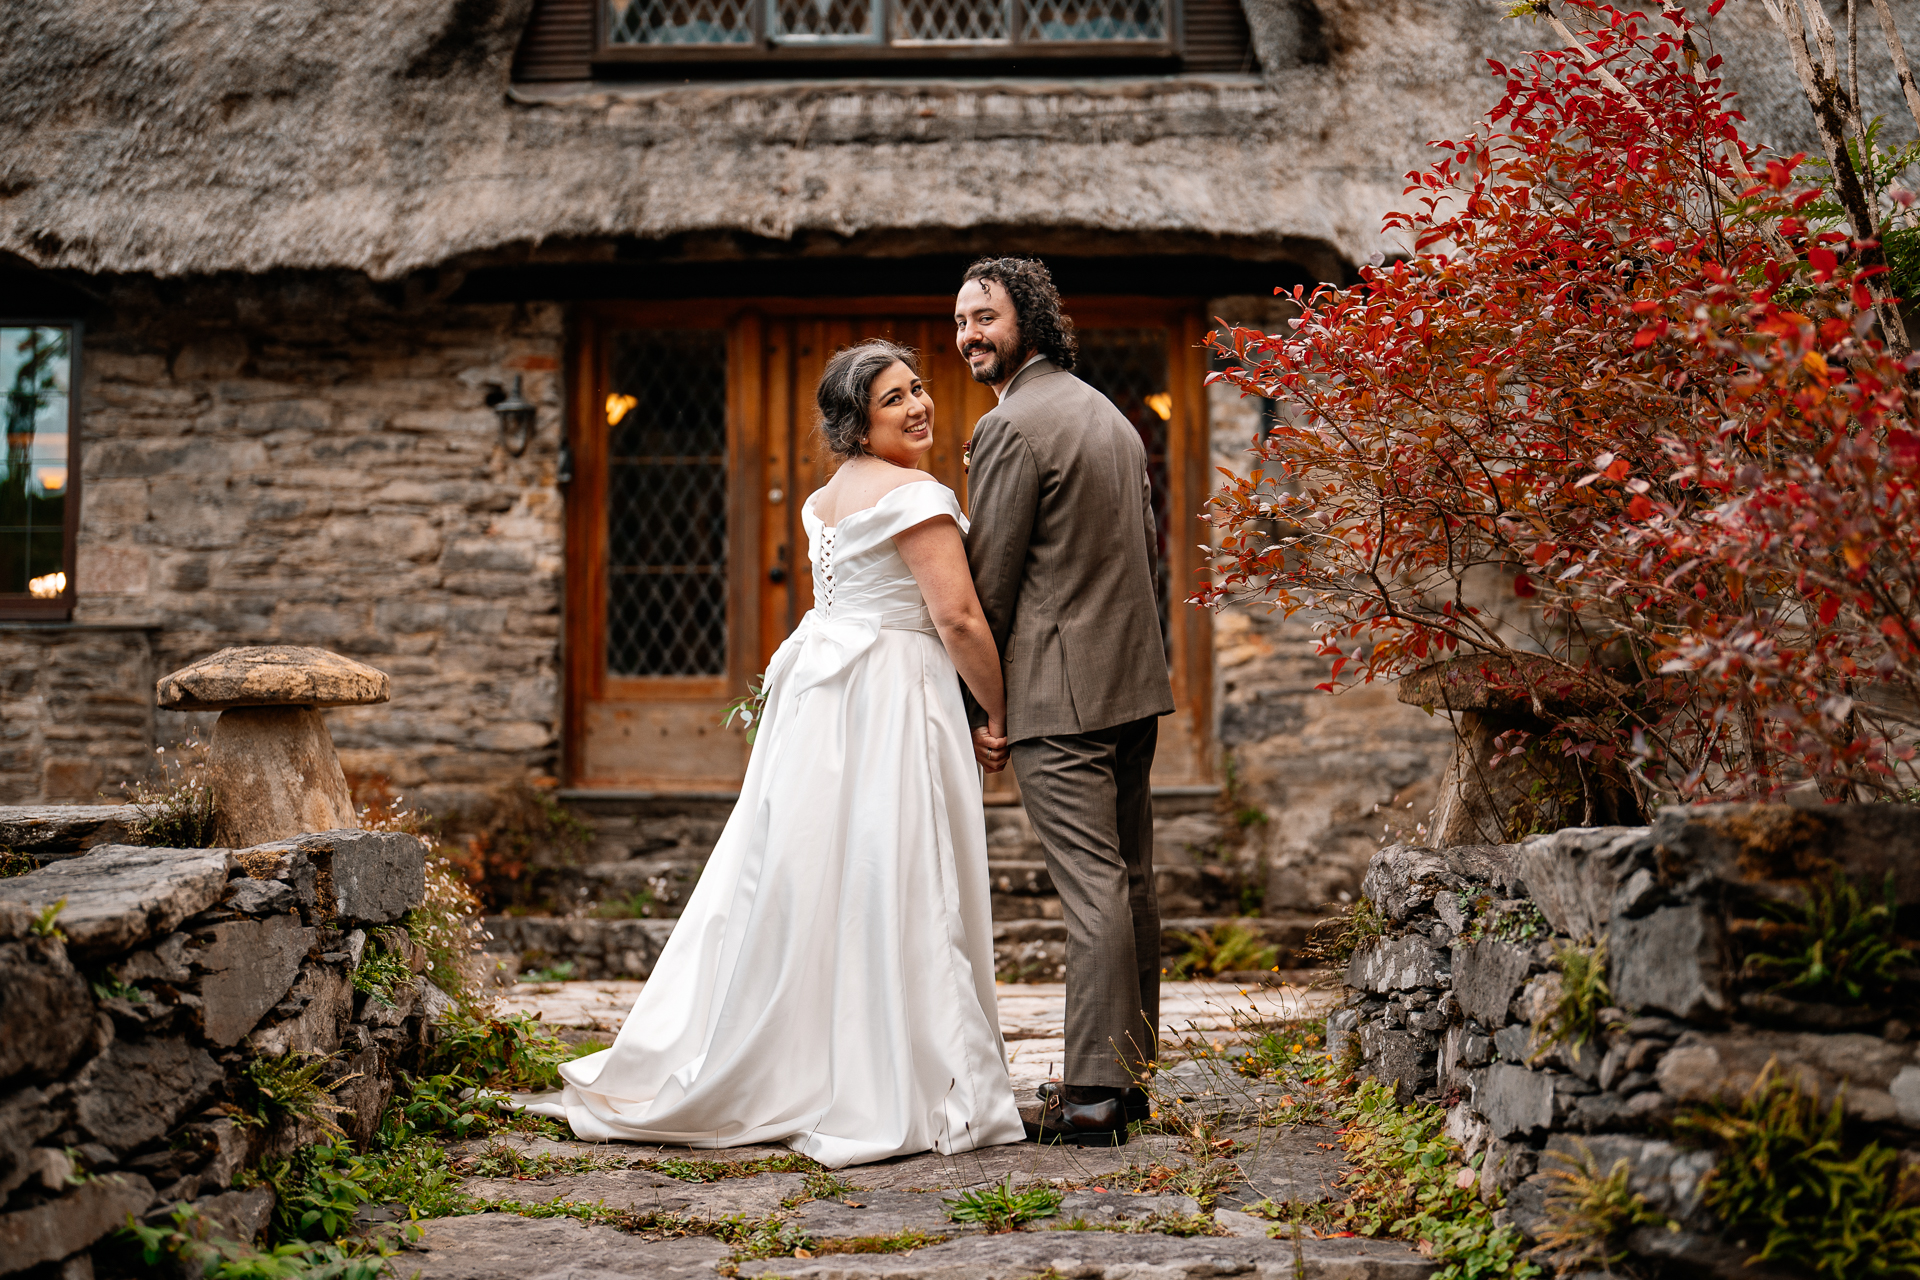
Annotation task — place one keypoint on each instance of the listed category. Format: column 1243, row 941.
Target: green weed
column 1285, row 1048
column 451, row 1105
column 318, row 1190
column 1520, row 921
column 382, row 974
column 501, row 1160
column 13, row 862
column 107, row 987
column 561, row 972
column 188, row 1245
column 1408, row 1181
column 515, row 1053
column 1788, row 1179
column 43, row 923
column 1575, row 1019
column 686, row 1170
column 1836, row 947
column 1589, row 1214
column 447, row 927
column 1225, row 948
column 1002, row 1206
column 749, row 1238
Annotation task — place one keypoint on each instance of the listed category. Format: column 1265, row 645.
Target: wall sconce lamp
column 516, row 416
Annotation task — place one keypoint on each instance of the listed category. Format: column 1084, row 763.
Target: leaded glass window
column 1129, row 367
column 37, row 472
column 680, row 22
column 848, row 28
column 1096, row 20
column 666, row 415
column 824, row 21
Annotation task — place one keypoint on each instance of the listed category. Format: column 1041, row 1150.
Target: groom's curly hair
column 1036, row 306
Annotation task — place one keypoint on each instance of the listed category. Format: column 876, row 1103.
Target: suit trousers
column 1088, row 797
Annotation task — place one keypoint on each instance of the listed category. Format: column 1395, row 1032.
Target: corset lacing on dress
column 826, row 569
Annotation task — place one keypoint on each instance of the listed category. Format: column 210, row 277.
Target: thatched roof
column 181, row 137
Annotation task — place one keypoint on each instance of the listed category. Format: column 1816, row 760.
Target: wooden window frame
column 60, row 608
column 763, row 49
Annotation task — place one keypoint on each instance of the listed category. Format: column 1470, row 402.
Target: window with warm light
column 39, row 473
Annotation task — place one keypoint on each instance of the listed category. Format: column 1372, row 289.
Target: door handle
column 778, row 574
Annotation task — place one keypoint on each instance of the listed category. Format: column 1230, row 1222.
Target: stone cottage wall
column 125, row 1039
column 1453, row 1000
column 313, row 460
column 76, row 710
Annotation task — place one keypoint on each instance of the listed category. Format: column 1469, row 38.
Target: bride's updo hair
column 847, row 386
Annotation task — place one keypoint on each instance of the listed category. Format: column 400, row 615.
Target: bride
column 830, row 984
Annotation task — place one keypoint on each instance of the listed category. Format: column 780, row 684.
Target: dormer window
column 860, row 30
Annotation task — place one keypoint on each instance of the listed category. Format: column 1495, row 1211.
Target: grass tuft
column 1003, row 1207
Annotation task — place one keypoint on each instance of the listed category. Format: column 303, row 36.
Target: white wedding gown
column 830, row 984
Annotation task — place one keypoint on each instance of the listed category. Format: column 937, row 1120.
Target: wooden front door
column 694, row 439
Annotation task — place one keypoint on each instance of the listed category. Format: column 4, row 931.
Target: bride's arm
column 935, row 553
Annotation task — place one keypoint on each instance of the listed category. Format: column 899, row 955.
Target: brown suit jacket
column 1062, row 551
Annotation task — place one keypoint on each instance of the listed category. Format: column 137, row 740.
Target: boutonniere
column 966, row 455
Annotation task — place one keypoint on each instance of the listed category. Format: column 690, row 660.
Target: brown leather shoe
column 1135, row 1100
column 1079, row 1124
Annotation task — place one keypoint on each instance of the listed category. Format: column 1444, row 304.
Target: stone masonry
column 313, row 460
column 1454, row 999
column 126, row 1035
column 76, row 711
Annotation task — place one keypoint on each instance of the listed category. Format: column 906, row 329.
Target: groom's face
column 987, row 331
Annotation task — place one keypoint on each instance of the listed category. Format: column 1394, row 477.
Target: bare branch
column 1900, row 67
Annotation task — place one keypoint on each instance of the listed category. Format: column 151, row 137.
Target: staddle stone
column 275, row 774
column 272, row 675
column 271, row 763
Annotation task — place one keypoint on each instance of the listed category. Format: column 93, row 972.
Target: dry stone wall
column 1454, row 999
column 129, row 1015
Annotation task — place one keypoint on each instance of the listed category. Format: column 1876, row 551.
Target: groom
column 1062, row 548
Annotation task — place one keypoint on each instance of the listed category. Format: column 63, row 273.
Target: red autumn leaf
column 1523, row 586
column 1638, row 508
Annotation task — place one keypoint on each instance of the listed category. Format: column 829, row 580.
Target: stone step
column 1031, row 949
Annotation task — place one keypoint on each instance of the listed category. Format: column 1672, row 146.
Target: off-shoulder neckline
column 881, row 502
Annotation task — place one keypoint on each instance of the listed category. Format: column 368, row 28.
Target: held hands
column 990, row 747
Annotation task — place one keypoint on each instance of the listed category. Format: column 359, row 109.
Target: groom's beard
column 1005, row 360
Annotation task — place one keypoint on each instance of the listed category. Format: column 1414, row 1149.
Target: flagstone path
column 1101, row 1231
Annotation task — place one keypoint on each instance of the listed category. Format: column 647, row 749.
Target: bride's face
column 899, row 417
